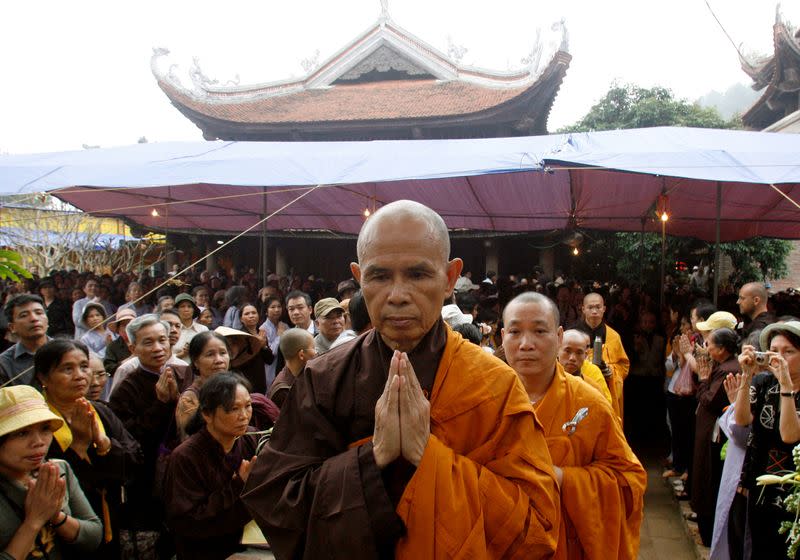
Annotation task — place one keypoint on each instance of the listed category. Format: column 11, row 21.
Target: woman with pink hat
column 43, row 511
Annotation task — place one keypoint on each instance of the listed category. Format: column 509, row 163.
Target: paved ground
column 664, row 535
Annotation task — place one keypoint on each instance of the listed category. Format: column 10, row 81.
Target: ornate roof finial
column 385, row 10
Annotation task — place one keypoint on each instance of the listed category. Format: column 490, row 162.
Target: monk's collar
column 593, row 333
column 433, row 342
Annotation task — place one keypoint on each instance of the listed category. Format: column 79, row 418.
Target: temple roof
column 778, row 75
column 386, row 81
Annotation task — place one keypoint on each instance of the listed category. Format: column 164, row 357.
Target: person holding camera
column 769, row 402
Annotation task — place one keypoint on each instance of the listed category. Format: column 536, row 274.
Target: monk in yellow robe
column 406, row 442
column 602, row 482
column 615, row 359
column 572, row 357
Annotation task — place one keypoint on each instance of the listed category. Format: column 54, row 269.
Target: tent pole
column 641, row 255
column 716, row 244
column 663, row 261
column 263, row 252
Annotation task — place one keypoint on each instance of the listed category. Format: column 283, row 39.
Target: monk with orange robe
column 614, row 356
column 406, row 442
column 602, row 482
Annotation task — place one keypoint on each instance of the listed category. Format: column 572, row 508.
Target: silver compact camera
column 762, row 358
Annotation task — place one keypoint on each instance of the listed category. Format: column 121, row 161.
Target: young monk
column 615, row 359
column 602, row 482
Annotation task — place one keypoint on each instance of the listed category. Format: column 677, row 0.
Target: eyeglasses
column 98, row 375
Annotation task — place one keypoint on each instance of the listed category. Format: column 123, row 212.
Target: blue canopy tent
column 720, row 185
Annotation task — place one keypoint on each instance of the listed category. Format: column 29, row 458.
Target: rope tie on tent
column 55, row 214
column 784, row 195
column 189, row 267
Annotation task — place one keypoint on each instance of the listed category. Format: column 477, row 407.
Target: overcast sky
column 77, row 73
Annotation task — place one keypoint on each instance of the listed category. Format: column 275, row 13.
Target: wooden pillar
column 281, row 266
column 492, row 260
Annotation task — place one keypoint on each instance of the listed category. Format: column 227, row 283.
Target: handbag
column 684, row 385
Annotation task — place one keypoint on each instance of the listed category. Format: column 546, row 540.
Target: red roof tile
column 402, row 99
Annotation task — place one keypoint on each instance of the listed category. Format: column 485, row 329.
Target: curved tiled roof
column 401, row 99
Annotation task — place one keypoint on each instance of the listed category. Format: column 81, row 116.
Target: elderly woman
column 207, row 473
column 209, row 355
column 722, row 345
column 101, row 452
column 771, row 407
column 43, row 511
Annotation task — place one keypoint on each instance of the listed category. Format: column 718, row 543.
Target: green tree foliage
column 11, row 266
column 631, row 106
column 611, row 256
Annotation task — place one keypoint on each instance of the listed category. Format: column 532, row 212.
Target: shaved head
column 752, row 299
column 755, row 289
column 537, row 298
column 294, row 340
column 417, row 215
column 577, row 337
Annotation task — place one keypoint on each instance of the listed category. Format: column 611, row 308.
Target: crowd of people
column 405, row 411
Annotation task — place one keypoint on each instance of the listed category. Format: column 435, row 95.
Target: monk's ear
column 356, row 270
column 454, row 268
column 560, row 336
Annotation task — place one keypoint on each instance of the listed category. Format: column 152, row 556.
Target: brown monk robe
column 602, row 481
column 469, row 475
column 481, row 487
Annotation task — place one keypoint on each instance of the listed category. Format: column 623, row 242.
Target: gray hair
column 144, row 321
column 437, row 229
column 539, row 299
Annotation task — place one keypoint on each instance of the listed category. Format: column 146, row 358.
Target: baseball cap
column 325, row 306
column 718, row 320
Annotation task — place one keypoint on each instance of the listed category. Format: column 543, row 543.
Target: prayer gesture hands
column 402, row 416
column 45, row 495
column 166, row 386
column 245, row 467
column 732, row 383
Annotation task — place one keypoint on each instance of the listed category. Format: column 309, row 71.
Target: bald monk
column 297, row 347
column 615, row 359
column 572, row 357
column 408, row 441
column 602, row 482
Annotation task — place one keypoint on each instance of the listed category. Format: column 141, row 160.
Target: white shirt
column 187, row 334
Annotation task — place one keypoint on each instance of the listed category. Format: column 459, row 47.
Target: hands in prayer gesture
column 402, row 416
column 85, row 430
column 245, row 467
column 45, row 495
column 166, row 386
